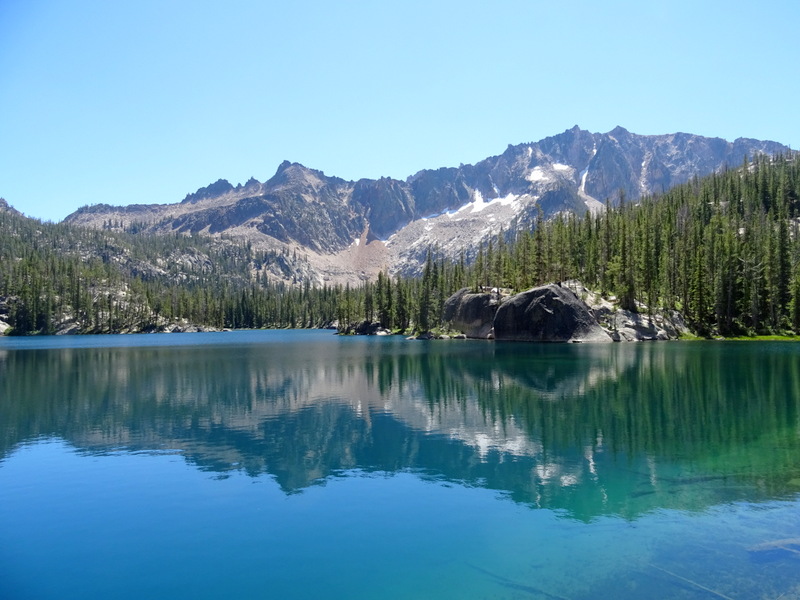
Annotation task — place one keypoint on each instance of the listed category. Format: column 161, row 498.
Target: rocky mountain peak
column 618, row 132
column 252, row 184
column 453, row 209
column 218, row 188
column 295, row 175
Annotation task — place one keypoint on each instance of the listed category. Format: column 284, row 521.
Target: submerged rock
column 549, row 313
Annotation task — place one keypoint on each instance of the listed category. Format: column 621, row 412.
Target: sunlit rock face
column 351, row 230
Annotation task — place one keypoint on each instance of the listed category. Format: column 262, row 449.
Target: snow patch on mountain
column 584, row 174
column 643, row 188
column 549, row 173
column 593, row 204
column 537, row 175
column 479, row 204
column 456, row 231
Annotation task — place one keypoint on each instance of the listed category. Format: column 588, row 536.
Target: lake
column 299, row 464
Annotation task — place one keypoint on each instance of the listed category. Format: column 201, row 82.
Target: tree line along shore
column 723, row 251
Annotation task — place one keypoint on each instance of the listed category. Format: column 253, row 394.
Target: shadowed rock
column 549, row 313
column 472, row 314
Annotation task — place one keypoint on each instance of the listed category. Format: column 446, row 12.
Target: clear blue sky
column 146, row 101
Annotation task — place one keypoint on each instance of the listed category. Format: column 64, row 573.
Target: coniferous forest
column 723, row 250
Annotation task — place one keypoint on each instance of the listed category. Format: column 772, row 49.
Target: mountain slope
column 350, row 230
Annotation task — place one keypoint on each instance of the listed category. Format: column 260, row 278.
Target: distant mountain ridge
column 348, row 230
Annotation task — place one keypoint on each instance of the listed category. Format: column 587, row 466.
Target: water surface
column 306, row 465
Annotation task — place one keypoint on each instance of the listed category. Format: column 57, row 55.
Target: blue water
column 305, row 465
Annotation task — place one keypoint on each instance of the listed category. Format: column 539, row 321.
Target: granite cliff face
column 350, row 230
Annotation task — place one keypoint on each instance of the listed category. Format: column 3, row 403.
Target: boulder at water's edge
column 549, row 313
column 471, row 313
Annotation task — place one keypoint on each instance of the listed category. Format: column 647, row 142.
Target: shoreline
column 424, row 336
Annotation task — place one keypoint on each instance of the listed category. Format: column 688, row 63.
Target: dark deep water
column 304, row 465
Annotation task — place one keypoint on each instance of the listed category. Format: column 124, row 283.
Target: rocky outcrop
column 627, row 326
column 6, row 207
column 549, row 313
column 471, row 313
column 218, row 188
column 363, row 328
column 565, row 312
column 5, row 312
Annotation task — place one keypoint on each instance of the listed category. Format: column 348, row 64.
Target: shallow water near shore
column 305, row 465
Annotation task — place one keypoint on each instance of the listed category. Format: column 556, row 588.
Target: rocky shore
column 556, row 312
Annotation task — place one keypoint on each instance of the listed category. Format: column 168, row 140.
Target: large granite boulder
column 549, row 313
column 470, row 313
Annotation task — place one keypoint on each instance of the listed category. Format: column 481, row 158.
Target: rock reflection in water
column 588, row 429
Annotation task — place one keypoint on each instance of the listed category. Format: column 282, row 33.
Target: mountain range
column 340, row 231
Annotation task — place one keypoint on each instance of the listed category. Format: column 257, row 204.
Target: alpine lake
column 300, row 464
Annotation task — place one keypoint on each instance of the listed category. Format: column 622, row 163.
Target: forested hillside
column 62, row 278
column 724, row 250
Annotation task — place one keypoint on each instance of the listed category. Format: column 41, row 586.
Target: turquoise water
column 306, row 465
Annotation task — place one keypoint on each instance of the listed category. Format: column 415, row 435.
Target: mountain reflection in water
column 591, row 430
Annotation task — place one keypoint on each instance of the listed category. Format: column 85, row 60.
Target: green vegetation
column 724, row 250
column 57, row 275
column 763, row 338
